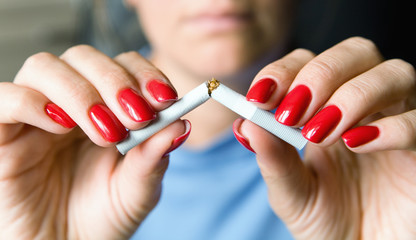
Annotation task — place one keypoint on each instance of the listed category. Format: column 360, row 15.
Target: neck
column 210, row 119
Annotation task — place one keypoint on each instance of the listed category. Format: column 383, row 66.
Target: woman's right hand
column 61, row 181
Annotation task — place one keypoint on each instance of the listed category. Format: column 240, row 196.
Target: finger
column 116, row 86
column 287, row 178
column 19, row 106
column 388, row 83
column 24, row 105
column 390, row 133
column 154, row 84
column 273, row 81
column 318, row 80
column 74, row 94
column 138, row 177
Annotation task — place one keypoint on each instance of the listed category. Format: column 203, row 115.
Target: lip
column 218, row 22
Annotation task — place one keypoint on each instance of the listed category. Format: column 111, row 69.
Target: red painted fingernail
column 136, row 106
column 322, row 124
column 240, row 138
column 161, row 91
column 261, row 91
column 107, row 123
column 59, row 115
column 360, row 135
column 294, row 105
column 177, row 142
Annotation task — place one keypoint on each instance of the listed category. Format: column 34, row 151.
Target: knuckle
column 407, row 129
column 39, row 59
column 76, row 50
column 287, row 68
column 303, row 53
column 402, row 68
column 138, row 67
column 281, row 70
column 128, row 54
column 115, row 75
column 362, row 42
column 34, row 64
column 360, row 92
column 81, row 94
column 148, row 73
column 364, row 45
column 325, row 67
column 22, row 101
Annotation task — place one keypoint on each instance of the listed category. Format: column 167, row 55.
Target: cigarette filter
column 190, row 101
column 238, row 103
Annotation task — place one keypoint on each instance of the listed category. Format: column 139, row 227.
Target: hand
column 361, row 187
column 55, row 182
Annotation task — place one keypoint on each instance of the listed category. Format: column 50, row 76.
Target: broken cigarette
column 224, row 95
column 265, row 119
column 187, row 103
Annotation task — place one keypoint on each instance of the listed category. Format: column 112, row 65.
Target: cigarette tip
column 212, row 85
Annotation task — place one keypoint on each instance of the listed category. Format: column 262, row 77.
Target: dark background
column 320, row 24
column 389, row 23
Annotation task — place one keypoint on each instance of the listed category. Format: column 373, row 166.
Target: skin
column 224, row 50
column 189, row 52
column 70, row 183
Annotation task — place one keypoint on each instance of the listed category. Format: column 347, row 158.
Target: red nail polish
column 161, row 91
column 107, row 123
column 180, row 140
column 261, row 91
column 136, row 106
column 360, row 135
column 240, row 138
column 293, row 106
column 322, row 124
column 59, row 116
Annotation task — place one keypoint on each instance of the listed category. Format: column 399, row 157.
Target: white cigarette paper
column 224, row 95
column 187, row 103
column 238, row 103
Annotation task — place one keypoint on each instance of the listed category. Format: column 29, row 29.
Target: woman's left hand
column 363, row 186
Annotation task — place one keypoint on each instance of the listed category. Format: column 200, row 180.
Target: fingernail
column 161, row 91
column 240, row 138
column 360, row 135
column 177, row 142
column 293, row 106
column 136, row 106
column 261, row 91
column 59, row 115
column 107, row 123
column 322, row 124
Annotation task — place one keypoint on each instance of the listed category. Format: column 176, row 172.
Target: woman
column 62, row 181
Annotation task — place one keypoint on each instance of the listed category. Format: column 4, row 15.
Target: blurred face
column 213, row 37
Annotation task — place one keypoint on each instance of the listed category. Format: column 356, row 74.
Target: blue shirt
column 213, row 194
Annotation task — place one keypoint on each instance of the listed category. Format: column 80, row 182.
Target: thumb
column 288, row 180
column 138, row 177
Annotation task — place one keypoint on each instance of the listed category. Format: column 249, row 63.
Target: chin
column 217, row 68
column 220, row 60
